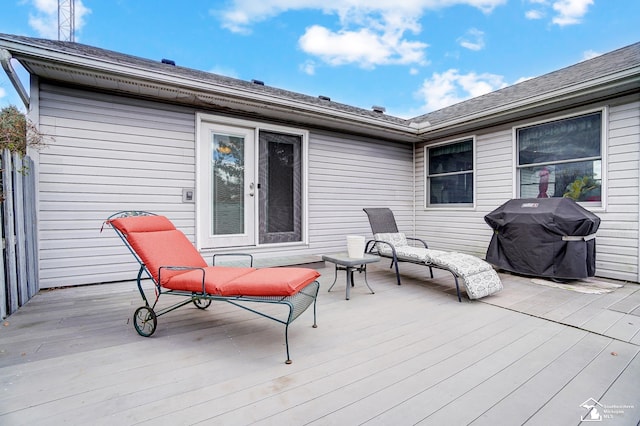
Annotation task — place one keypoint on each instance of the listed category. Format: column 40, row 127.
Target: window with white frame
column 450, row 171
column 561, row 158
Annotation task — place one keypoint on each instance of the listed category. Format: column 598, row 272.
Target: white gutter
column 5, row 59
column 254, row 98
column 586, row 87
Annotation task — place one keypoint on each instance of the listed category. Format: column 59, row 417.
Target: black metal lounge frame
column 145, row 317
column 382, row 221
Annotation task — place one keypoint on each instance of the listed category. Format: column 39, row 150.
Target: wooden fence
column 19, row 275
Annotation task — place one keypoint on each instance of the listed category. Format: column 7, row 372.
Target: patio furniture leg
column 364, row 267
column 395, row 263
column 286, row 342
column 335, row 277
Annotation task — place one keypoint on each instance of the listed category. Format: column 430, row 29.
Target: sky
column 409, row 56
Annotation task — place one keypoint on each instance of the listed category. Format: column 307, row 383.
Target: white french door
column 228, row 193
column 250, row 183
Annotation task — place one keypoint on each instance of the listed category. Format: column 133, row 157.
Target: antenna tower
column 66, row 20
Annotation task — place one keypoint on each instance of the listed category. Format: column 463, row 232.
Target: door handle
column 251, row 189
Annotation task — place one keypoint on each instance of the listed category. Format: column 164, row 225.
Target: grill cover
column 544, row 237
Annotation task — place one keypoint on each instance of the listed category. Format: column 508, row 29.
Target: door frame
column 204, row 119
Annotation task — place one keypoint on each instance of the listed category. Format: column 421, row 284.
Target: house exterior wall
column 464, row 229
column 110, row 153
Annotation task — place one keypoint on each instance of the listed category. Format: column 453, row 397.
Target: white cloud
column 367, row 33
column 451, row 87
column 570, row 11
column 308, row 67
column 3, row 93
column 45, row 18
column 241, row 14
column 473, row 40
column 534, row 14
column 565, row 12
column 363, row 47
column 590, row 54
column 521, row 79
column 229, row 72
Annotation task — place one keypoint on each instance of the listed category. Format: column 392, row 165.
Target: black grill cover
column 528, row 238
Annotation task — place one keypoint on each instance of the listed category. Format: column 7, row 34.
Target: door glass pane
column 280, row 190
column 280, row 182
column 227, row 166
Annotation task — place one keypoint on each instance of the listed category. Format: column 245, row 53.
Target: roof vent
column 378, row 109
column 169, row 62
column 258, row 82
column 324, row 98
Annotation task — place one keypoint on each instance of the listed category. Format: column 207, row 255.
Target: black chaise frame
column 382, row 221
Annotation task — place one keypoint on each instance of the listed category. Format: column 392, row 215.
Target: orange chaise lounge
column 176, row 268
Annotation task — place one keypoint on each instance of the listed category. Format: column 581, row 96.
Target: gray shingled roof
column 590, row 70
column 77, row 49
column 600, row 66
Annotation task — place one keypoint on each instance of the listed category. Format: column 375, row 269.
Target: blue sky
column 409, row 56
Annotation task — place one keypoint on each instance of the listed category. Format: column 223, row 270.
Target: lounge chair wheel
column 202, row 303
column 145, row 321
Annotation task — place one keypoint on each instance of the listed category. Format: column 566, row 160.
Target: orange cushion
column 214, row 277
column 270, row 282
column 142, row 224
column 165, row 248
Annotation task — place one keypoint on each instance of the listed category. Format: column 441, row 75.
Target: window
column 561, row 158
column 450, row 174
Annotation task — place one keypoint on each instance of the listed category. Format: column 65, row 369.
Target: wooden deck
column 407, row 354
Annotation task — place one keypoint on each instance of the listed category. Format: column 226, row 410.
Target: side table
column 343, row 262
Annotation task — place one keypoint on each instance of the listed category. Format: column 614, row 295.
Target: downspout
column 5, row 59
column 414, row 190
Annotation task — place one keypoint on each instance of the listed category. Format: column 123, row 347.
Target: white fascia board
column 625, row 77
column 138, row 74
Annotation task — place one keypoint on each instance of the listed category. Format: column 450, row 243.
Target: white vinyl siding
column 107, row 154
column 110, row 153
column 618, row 237
column 347, row 175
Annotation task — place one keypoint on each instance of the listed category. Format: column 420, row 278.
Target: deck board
column 495, row 389
column 404, row 355
column 597, row 376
